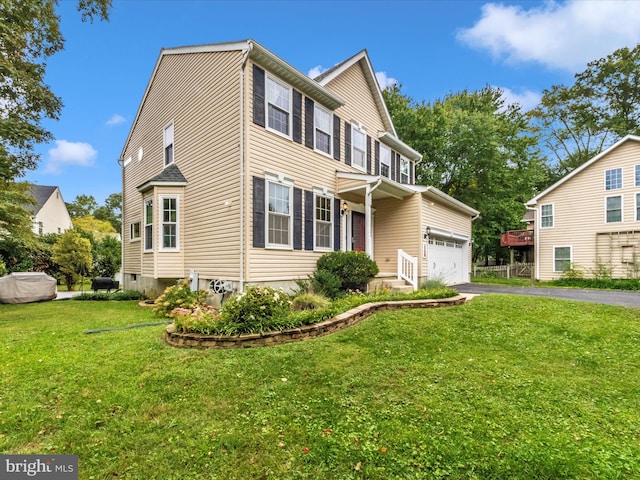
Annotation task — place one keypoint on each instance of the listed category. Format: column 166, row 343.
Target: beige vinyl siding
column 360, row 106
column 436, row 214
column 579, row 212
column 395, row 227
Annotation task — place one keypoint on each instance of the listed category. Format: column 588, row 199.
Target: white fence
column 408, row 268
column 515, row 270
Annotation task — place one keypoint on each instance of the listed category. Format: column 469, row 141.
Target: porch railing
column 408, row 268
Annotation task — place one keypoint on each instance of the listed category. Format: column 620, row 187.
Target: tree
column 107, row 257
column 111, row 211
column 82, row 206
column 15, row 217
column 579, row 121
column 94, row 226
column 73, row 254
column 476, row 149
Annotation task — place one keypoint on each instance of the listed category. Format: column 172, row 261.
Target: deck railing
column 408, row 268
column 517, row 238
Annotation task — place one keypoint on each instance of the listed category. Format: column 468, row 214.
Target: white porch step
column 390, row 282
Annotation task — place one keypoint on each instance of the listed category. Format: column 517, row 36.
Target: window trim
column 404, row 162
column 272, row 78
column 637, row 206
column 138, row 237
column 553, row 215
column 162, row 223
column 636, row 181
column 148, row 203
column 330, row 197
column 318, row 108
column 280, row 181
column 362, row 131
column 388, row 165
column 621, row 179
column 555, row 247
column 606, row 209
column 166, row 144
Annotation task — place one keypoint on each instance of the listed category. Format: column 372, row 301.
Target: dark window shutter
column 297, row 219
column 377, row 157
column 308, row 220
column 258, row 96
column 258, row 212
column 297, row 116
column 336, row 137
column 411, row 179
column 369, row 155
column 347, row 143
column 397, row 167
column 336, row 224
column 393, row 165
column 308, row 122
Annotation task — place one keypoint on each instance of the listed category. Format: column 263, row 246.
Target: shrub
column 326, row 283
column 353, row 269
column 309, row 301
column 178, row 296
column 573, row 273
column 432, row 285
column 200, row 319
column 255, row 310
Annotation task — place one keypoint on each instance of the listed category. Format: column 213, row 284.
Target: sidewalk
column 68, row 295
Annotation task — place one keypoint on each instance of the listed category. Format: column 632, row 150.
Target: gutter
column 536, row 239
column 245, row 58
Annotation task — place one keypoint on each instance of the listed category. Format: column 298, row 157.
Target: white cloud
column 115, row 120
column 385, row 81
column 70, row 154
column 563, row 36
column 315, row 71
column 527, row 99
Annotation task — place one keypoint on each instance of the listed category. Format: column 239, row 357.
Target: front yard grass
column 504, row 387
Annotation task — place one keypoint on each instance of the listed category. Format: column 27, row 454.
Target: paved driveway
column 609, row 297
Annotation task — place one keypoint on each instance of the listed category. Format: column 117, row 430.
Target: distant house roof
column 170, row 176
column 529, row 216
column 41, row 193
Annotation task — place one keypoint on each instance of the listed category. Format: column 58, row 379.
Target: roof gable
column 41, row 193
column 584, row 166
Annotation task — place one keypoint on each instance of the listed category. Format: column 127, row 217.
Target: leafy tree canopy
column 73, row 254
column 93, row 225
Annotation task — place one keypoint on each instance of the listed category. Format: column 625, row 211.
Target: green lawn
column 504, row 387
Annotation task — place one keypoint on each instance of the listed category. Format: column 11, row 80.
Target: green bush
column 255, row 310
column 353, row 269
column 432, row 285
column 309, row 301
column 178, row 296
column 201, row 319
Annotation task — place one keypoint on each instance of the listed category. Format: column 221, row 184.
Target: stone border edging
column 346, row 319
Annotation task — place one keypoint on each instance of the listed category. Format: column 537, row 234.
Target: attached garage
column 448, row 259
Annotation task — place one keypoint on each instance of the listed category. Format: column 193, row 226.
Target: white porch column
column 368, row 222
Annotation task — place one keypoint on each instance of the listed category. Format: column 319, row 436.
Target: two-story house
column 240, row 169
column 50, row 214
column 590, row 219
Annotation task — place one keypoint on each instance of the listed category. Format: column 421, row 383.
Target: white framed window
column 637, row 176
column 168, row 144
column 323, row 126
column 279, row 213
column 404, row 170
column 358, row 148
column 562, row 258
column 546, row 216
column 169, row 222
column 323, row 221
column 613, row 179
column 148, row 225
column 613, row 206
column 637, row 207
column 134, row 232
column 278, row 106
column 385, row 161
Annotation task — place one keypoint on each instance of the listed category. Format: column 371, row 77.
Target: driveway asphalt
column 608, row 297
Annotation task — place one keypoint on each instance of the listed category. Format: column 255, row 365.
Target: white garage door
column 447, row 259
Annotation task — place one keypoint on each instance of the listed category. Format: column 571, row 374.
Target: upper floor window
column 637, row 207
column 168, row 145
column 637, row 182
column 278, row 106
column 614, row 209
column 546, row 216
column 404, row 170
column 323, row 122
column 323, row 224
column 279, row 217
column 134, row 231
column 358, row 148
column 613, row 179
column 385, row 161
column 169, row 227
column 148, row 224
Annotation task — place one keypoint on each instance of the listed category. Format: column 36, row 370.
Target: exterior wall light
column 344, row 207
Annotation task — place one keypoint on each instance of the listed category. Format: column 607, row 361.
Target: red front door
column 357, row 232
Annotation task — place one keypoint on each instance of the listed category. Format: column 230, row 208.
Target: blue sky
column 431, row 48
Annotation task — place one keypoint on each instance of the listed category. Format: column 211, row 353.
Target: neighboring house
column 590, row 219
column 240, row 169
column 50, row 214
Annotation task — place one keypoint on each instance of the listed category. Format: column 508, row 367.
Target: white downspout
column 368, row 225
column 536, row 240
column 242, row 127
